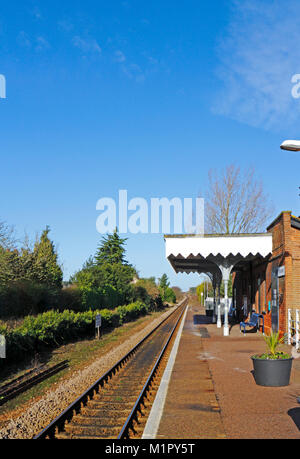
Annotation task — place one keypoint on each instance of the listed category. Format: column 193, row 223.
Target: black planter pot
column 272, row 373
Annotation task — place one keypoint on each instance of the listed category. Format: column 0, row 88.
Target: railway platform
column 211, row 393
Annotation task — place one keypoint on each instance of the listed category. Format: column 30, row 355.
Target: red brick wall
column 286, row 247
column 295, row 247
column 286, row 252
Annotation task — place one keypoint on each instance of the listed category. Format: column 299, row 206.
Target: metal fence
column 294, row 327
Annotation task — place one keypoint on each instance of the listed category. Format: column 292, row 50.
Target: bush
column 86, row 298
column 179, row 293
column 169, row 295
column 100, row 298
column 131, row 311
column 71, row 298
column 24, row 297
column 53, row 328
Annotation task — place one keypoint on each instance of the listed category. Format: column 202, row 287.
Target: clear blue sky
column 143, row 96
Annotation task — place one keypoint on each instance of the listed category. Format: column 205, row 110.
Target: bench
column 253, row 322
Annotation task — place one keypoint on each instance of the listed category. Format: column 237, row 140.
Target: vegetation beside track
column 53, row 328
column 45, row 320
column 106, row 281
column 80, row 354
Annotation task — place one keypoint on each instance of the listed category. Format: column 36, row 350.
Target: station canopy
column 214, row 253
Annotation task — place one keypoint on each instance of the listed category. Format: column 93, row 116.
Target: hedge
column 53, row 328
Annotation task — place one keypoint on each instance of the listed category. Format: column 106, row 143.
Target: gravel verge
column 45, row 410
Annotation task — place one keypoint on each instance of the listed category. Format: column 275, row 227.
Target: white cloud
column 119, row 56
column 41, row 44
column 87, row 45
column 134, row 72
column 258, row 56
column 23, row 39
column 36, row 13
column 37, row 43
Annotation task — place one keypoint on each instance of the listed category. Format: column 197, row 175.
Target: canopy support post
column 226, row 266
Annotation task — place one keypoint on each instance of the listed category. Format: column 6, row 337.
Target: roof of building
column 216, row 235
column 220, row 245
column 278, row 217
column 295, row 222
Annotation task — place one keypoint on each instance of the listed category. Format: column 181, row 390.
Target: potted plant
column 273, row 368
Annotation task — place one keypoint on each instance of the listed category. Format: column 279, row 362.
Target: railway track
column 117, row 404
column 28, row 380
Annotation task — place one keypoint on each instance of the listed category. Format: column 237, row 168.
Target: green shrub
column 132, row 311
column 53, row 328
column 86, row 298
column 169, row 295
column 24, row 297
column 71, row 298
column 100, row 298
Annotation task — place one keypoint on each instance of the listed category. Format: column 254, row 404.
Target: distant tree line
column 205, row 289
column 108, row 280
column 31, row 278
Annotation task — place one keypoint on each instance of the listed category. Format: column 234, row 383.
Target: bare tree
column 235, row 202
column 7, row 236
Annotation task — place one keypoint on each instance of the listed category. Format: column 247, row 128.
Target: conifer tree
column 163, row 282
column 46, row 268
column 111, row 250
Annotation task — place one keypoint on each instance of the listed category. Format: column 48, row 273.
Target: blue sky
column 143, row 96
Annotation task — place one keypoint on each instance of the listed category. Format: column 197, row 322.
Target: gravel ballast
column 45, row 410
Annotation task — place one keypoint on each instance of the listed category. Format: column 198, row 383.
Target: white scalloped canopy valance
column 193, row 246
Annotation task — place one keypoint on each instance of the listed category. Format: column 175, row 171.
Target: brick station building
column 265, row 268
column 272, row 286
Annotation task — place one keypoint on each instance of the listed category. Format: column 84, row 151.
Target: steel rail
column 124, row 433
column 74, row 407
column 25, row 382
column 15, row 381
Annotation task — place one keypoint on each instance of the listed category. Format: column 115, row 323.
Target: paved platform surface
column 212, row 393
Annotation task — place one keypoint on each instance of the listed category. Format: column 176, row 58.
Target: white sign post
column 2, row 347
column 98, row 325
